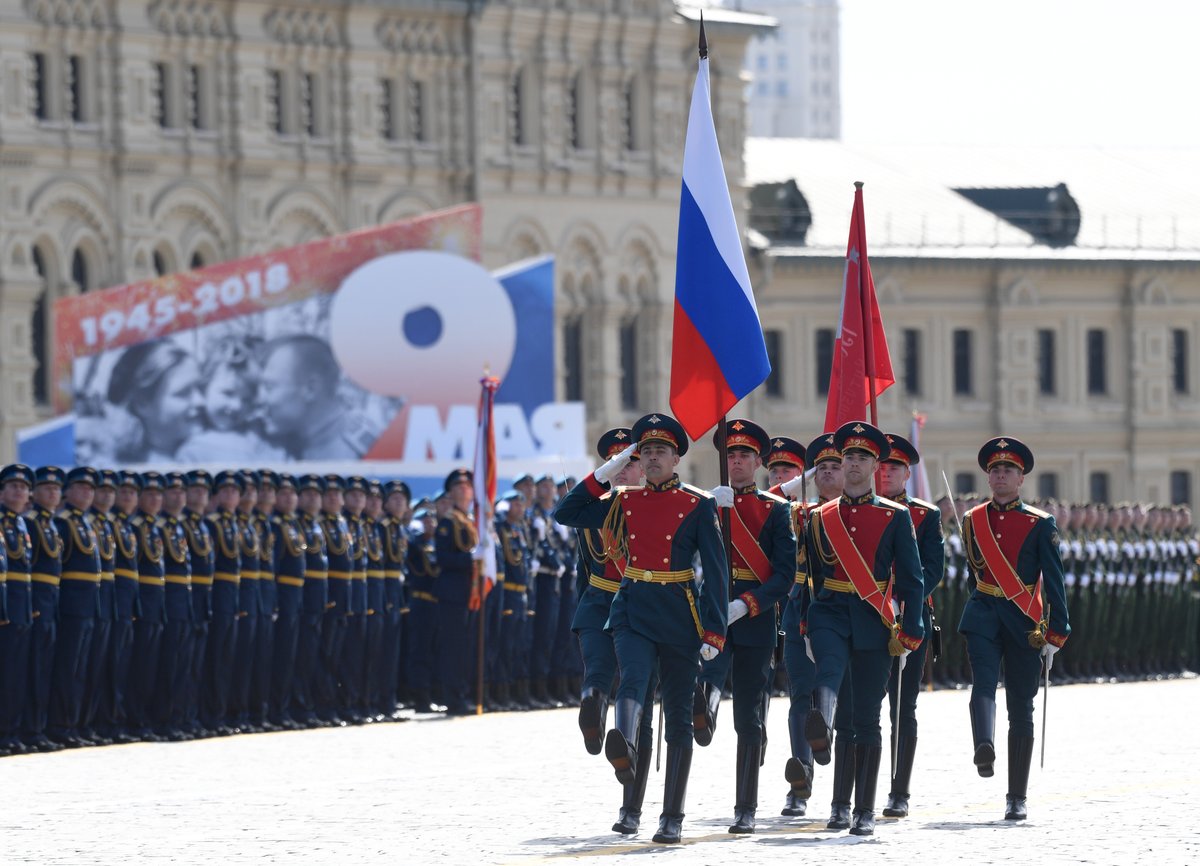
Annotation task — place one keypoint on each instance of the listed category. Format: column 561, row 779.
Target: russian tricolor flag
column 718, row 354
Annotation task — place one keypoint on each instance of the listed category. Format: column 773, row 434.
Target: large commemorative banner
column 367, row 346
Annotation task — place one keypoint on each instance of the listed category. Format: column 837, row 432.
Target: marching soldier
column 455, row 543
column 289, row 568
column 894, row 473
column 151, row 617
column 316, row 601
column 127, row 606
column 1013, row 550
column 762, row 548
column 175, row 662
column 78, row 606
column 865, row 558
column 203, row 558
column 46, row 576
column 393, row 532
column 661, row 614
column 423, row 610
column 341, row 552
column 98, row 673
column 16, row 482
column 227, row 578
column 264, row 639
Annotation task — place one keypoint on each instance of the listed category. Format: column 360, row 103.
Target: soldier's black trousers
column 751, row 667
column 1022, row 675
column 42, row 639
column 638, row 656
column 868, row 670
column 802, row 677
column 69, row 682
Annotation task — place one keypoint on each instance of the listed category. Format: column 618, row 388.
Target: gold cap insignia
column 858, row 428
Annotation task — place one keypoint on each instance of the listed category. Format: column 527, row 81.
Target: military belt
column 179, row 579
column 376, row 574
column 995, row 591
column 802, row 579
column 201, row 580
column 226, row 576
column 151, row 580
column 602, row 583
column 87, row 576
column 289, row 581
column 313, row 574
column 251, row 575
column 339, row 575
column 424, row 596
column 847, row 586
column 39, row 577
column 107, row 576
column 393, row 574
column 513, row 587
column 744, row 574
column 549, row 571
column 645, row 576
column 126, row 572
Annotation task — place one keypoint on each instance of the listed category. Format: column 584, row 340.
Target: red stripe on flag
column 699, row 392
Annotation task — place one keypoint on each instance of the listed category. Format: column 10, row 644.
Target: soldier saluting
column 1013, row 551
column 661, row 615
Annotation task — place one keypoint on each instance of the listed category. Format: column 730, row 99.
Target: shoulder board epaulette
column 884, row 502
column 697, row 491
column 921, row 503
column 138, row 521
column 1036, row 512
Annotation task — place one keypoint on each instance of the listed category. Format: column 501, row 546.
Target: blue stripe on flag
column 715, row 302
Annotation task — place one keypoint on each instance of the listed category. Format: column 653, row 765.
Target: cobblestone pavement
column 1120, row 786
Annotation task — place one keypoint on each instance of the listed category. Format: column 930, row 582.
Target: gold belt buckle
column 649, row 575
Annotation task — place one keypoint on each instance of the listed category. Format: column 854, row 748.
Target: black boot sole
column 801, row 781
column 701, row 730
column 820, row 738
column 985, row 760
column 617, row 750
column 589, row 725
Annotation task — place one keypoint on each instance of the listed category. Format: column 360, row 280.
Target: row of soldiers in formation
column 678, row 606
column 173, row 606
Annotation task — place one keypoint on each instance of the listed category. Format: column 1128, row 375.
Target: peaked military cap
column 130, row 479
column 312, row 482
column 820, row 449
column 227, row 478
column 546, row 477
column 108, row 478
column 152, row 481
column 397, row 485
column 740, row 433
column 614, row 441
column 356, row 482
column 83, row 475
column 1005, row 449
column 175, row 480
column 903, row 451
column 49, row 475
column 375, row 488
column 657, row 427
column 784, row 449
column 524, row 479
column 17, row 472
column 267, row 478
column 861, row 436
column 200, row 478
column 460, row 474
column 249, row 478
column 285, row 481
column 334, row 482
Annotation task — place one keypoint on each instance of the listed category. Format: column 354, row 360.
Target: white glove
column 708, row 652
column 808, row 649
column 723, row 495
column 610, row 470
column 791, row 489
column 534, row 565
column 737, row 610
column 1048, row 652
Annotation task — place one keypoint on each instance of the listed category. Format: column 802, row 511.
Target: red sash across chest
column 746, row 520
column 854, row 532
column 1000, row 535
column 652, row 520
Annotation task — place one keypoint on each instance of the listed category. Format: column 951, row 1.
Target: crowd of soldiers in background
column 174, row 606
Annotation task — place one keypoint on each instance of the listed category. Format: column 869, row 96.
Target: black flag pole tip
column 858, row 184
column 703, row 40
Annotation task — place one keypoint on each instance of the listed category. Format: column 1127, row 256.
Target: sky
column 1073, row 72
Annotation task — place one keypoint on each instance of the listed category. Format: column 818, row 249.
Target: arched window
column 39, row 328
column 516, row 109
column 81, row 272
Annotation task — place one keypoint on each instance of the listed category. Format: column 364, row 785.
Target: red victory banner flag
column 862, row 366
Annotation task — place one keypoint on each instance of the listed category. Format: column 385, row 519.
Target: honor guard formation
column 167, row 607
column 688, row 596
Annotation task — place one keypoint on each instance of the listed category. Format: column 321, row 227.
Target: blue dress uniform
column 15, row 636
column 794, row 624
column 566, row 664
column 547, row 587
column 202, row 552
column 127, row 608
column 223, row 627
column 249, row 610
column 763, row 558
column 152, row 618
column 663, row 612
column 341, row 551
column 352, row 672
column 1013, row 550
column 454, row 542
column 393, row 539
column 380, row 680
column 513, row 662
column 927, row 521
column 422, row 567
column 98, row 676
column 864, row 551
column 289, row 563
column 46, row 575
column 174, row 666
column 309, row 669
column 264, row 640
column 78, row 608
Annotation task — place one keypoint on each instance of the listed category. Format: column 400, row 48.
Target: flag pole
column 868, row 336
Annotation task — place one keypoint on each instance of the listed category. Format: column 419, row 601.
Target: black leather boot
column 538, row 699
column 897, row 804
column 630, row 817
column 705, row 702
column 983, row 727
column 620, row 745
column 670, row 823
column 749, row 759
column 1020, row 757
column 818, row 727
column 843, row 784
column 866, row 778
column 794, row 806
column 800, row 777
column 593, row 714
